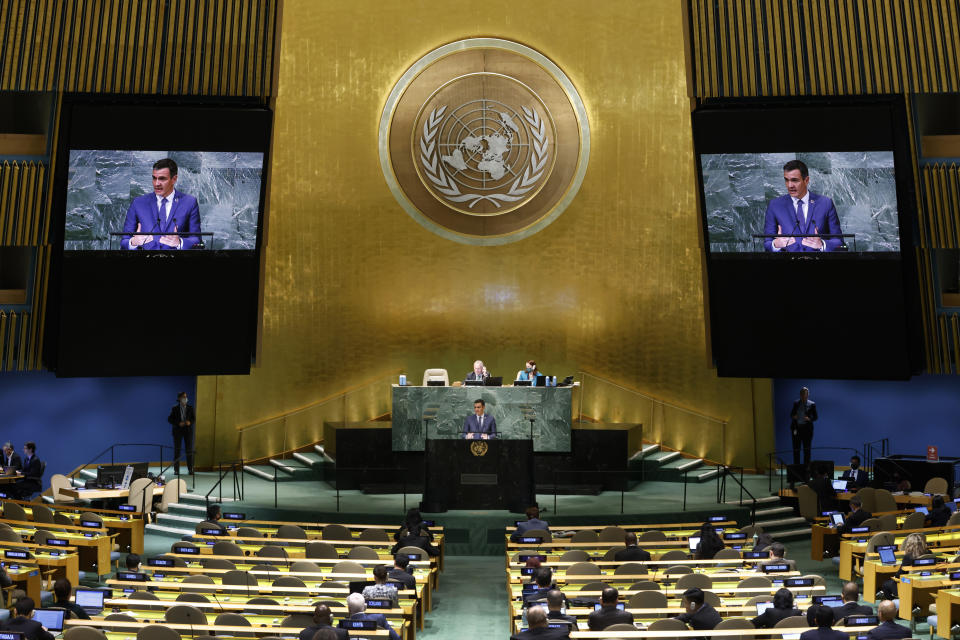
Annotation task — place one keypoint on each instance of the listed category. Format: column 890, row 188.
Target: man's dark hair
column 793, row 165
column 554, row 599
column 480, row 400
column 823, row 616
column 630, row 539
column 166, row 163
column 855, row 501
column 694, row 595
column 380, row 572
column 133, row 561
column 213, row 512
column 544, row 577
column 321, row 614
column 401, row 561
column 181, row 394
column 24, row 606
column 326, row 633
column 62, row 589
column 855, row 457
column 533, row 512
column 31, row 445
column 609, row 595
column 783, row 599
column 937, row 502
column 850, row 592
column 777, row 549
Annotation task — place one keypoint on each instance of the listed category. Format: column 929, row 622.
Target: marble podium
column 437, row 413
column 477, row 474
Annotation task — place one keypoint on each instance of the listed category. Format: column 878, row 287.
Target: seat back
column 756, row 582
column 321, row 551
column 645, row 585
column 711, row 599
column 935, row 486
column 335, row 532
column 654, row 535
column 58, row 481
column 227, row 548
column 630, row 569
column 374, row 535
column 219, row 563
column 884, row 501
column 678, row 570
column 141, row 493
column 751, row 530
column 878, row 540
column 585, row 535
column 575, row 555
column 300, row 620
column 84, row 633
column 13, row 511
column 691, row 580
column 271, row 551
column 185, row 614
column 304, row 566
column 42, row 513
column 727, row 553
column 362, row 552
column 294, row 532
column 649, row 599
column 915, row 520
column 238, row 577
column 192, row 597
column 248, row 532
column 348, row 566
column 673, row 554
column 155, row 632
column 807, row 499
column 954, row 519
column 888, row 522
column 612, row 534
column 735, row 623
column 583, row 569
column 867, row 497
column 667, row 624
column 792, row 622
column 289, row 581
column 436, row 374
column 620, row 626
column 872, row 524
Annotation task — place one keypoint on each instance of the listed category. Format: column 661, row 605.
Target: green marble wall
column 445, row 409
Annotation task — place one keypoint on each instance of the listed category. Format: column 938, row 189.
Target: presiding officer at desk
column 479, row 425
column 479, row 372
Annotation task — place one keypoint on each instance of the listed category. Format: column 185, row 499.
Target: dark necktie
column 163, row 210
column 800, row 215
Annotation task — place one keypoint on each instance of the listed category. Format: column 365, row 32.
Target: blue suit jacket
column 472, row 425
column 528, row 525
column 821, row 218
column 380, row 619
column 184, row 216
column 888, row 631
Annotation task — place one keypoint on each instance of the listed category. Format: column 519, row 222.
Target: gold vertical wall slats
column 941, row 191
column 128, row 46
column 22, row 201
column 869, row 46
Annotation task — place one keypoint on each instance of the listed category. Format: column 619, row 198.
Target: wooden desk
column 121, row 629
column 103, row 494
column 948, row 610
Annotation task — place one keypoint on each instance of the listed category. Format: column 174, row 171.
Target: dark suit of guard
column 888, row 630
column 633, row 553
column 802, row 417
column 182, row 434
column 608, row 615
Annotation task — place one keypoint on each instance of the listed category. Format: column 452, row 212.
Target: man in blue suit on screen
column 479, row 424
column 154, row 219
column 802, row 212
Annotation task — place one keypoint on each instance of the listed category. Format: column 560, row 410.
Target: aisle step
column 293, row 468
column 707, row 475
column 649, row 449
column 663, row 458
column 312, row 460
column 793, row 533
column 781, row 522
column 773, row 511
column 762, row 500
column 199, row 498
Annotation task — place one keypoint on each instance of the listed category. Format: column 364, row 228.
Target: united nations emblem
column 484, row 141
column 478, row 448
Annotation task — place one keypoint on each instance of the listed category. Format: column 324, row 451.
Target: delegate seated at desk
column 479, row 425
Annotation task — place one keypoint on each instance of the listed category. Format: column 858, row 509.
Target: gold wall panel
column 197, row 47
column 824, row 47
column 354, row 288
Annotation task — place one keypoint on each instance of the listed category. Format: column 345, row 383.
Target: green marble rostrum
column 438, row 413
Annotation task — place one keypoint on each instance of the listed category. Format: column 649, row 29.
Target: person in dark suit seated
column 533, row 521
column 855, row 475
column 61, row 596
column 851, row 607
column 856, row 516
column 356, row 606
column 11, row 459
column 888, row 629
column 413, row 521
column 32, row 481
column 401, row 572
column 632, row 552
column 555, row 604
column 823, row 617
column 537, row 627
column 709, row 543
column 23, row 622
column 544, row 580
column 782, row 608
column 939, row 513
column 213, row 518
column 415, row 538
column 608, row 614
column 699, row 614
column 821, row 485
column 778, row 554
column 479, row 372
column 322, row 620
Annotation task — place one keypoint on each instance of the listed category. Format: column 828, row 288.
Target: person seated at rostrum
column 888, row 629
column 538, row 627
column 632, row 552
column 709, row 543
column 401, row 572
column 380, row 590
column 322, row 619
column 32, row 470
column 61, row 598
column 855, row 476
column 532, row 522
column 11, row 460
column 608, row 614
column 24, row 623
column 823, row 618
column 782, row 608
column 356, row 607
column 699, row 614
column 851, row 603
column 529, row 372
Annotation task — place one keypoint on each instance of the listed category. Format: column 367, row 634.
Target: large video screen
column 808, row 223
column 801, row 202
column 162, row 200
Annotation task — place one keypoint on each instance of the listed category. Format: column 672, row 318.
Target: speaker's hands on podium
column 780, row 243
column 814, row 243
column 171, row 240
column 136, row 241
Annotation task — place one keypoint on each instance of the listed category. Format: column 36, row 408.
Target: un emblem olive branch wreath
column 432, row 166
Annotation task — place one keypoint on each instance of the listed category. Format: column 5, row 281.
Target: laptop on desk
column 52, row 619
column 90, row 600
column 493, row 381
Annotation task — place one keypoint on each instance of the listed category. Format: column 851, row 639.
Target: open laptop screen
column 52, row 619
column 90, row 598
